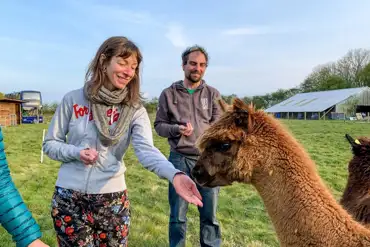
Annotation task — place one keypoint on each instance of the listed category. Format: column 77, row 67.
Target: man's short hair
column 185, row 54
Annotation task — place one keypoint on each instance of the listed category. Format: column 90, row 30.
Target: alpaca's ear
column 243, row 119
column 239, row 105
column 223, row 105
column 353, row 142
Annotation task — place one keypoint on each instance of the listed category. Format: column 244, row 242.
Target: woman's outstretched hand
column 187, row 189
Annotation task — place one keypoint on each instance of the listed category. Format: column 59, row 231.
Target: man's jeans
column 210, row 234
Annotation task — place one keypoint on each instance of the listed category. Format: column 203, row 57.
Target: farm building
column 332, row 104
column 10, row 113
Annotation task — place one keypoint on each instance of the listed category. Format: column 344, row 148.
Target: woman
column 90, row 206
column 14, row 215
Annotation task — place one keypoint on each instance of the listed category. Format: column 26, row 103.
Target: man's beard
column 192, row 79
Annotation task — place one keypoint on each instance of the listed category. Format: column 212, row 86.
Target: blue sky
column 254, row 48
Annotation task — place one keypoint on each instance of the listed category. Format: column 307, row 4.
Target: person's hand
column 186, row 188
column 88, row 156
column 189, row 129
column 186, row 130
column 182, row 129
column 37, row 243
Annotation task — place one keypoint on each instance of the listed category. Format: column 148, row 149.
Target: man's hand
column 37, row 243
column 186, row 130
column 88, row 156
column 186, row 188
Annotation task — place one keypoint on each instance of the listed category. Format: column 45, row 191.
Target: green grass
column 242, row 216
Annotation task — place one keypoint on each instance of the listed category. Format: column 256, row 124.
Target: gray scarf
column 101, row 103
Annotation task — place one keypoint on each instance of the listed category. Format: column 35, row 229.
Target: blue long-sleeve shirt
column 14, row 215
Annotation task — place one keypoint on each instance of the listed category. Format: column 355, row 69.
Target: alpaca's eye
column 223, row 147
column 238, row 122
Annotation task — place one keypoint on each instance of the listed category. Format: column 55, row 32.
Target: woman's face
column 120, row 71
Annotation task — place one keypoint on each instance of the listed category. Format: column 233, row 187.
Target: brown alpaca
column 356, row 196
column 253, row 147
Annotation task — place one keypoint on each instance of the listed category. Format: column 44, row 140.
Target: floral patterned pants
column 90, row 220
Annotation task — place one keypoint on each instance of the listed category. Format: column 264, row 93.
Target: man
column 185, row 110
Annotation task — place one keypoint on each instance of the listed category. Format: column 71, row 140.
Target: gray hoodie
column 72, row 129
column 177, row 107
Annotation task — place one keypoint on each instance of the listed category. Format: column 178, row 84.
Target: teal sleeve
column 14, row 215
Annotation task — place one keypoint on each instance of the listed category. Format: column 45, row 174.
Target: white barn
column 332, row 104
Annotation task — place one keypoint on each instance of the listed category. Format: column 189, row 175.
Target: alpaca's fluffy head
column 360, row 163
column 232, row 147
column 360, row 146
column 356, row 199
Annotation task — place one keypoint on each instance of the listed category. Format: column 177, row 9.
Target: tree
column 268, row 99
column 247, row 99
column 228, row 98
column 314, row 81
column 259, row 102
column 344, row 73
column 151, row 105
column 308, row 85
column 363, row 77
column 49, row 108
column 1, row 95
column 352, row 64
column 332, row 82
column 293, row 91
column 352, row 70
column 279, row 95
column 324, row 78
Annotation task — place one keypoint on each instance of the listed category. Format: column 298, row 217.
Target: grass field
column 241, row 213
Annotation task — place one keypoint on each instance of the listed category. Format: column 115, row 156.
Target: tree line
column 351, row 70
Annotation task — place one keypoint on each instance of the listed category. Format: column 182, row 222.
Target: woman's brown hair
column 121, row 47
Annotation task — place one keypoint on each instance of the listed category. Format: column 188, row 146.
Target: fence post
column 42, row 151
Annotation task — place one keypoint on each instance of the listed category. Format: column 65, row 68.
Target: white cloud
column 264, row 30
column 146, row 95
column 175, row 34
column 247, row 31
column 113, row 12
column 28, row 43
column 119, row 14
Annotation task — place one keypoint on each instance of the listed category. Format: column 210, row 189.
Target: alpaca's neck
column 357, row 187
column 355, row 197
column 298, row 202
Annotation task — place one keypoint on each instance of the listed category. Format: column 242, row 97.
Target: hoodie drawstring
column 174, row 93
column 88, row 117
